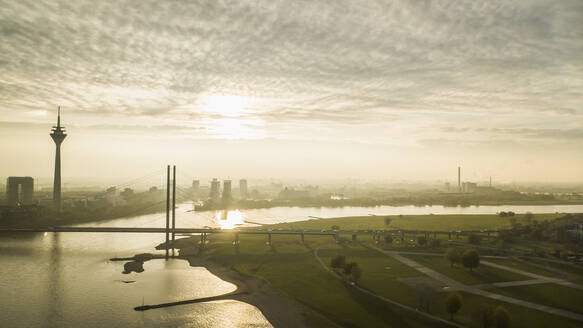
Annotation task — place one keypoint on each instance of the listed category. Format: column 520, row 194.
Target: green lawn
column 521, row 266
column 380, row 273
column 565, row 267
column 520, row 317
column 410, row 222
column 292, row 269
column 480, row 275
column 548, row 294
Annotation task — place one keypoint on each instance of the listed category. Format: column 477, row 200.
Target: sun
column 226, row 104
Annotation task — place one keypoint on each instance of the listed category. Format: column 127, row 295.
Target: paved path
column 476, row 291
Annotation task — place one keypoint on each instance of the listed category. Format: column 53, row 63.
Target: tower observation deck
column 58, row 134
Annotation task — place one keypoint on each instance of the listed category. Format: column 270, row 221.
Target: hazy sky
column 391, row 89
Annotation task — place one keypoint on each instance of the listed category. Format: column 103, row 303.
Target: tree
column 338, row 261
column 483, row 316
column 470, row 258
column 453, row 303
column 356, row 272
column 453, row 255
column 501, row 318
column 421, row 240
column 474, row 239
column 388, row 239
column 426, row 295
column 348, row 267
column 387, row 221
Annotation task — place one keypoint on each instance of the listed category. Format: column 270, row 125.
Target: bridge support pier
column 336, row 237
column 354, row 237
column 268, row 239
column 202, row 239
column 236, row 242
column 303, row 238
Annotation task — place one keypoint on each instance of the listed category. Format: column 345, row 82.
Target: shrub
column 501, row 317
column 470, row 258
column 349, row 266
column 453, row 303
column 453, row 255
column 483, row 315
column 387, row 221
column 338, row 261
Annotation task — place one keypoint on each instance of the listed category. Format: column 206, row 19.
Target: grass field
column 521, row 266
column 410, row 222
column 548, row 294
column 565, row 267
column 291, row 268
column 481, row 275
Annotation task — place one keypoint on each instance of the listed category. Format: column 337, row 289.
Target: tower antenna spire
column 59, row 117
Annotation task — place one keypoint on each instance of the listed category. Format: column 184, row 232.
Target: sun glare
column 229, row 219
column 227, row 105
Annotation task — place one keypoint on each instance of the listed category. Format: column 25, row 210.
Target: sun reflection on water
column 229, row 219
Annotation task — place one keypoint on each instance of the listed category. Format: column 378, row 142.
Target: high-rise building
column 227, row 195
column 19, row 190
column 195, row 185
column 215, row 190
column 58, row 134
column 243, row 189
column 195, row 190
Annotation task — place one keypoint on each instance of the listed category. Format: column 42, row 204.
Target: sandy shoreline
column 280, row 311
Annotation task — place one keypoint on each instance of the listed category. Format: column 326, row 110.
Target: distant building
column 113, row 198
column 195, row 185
column 243, row 192
column 215, row 190
column 291, row 194
column 469, row 187
column 227, row 195
column 19, row 190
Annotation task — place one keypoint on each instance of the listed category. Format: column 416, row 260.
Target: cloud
column 308, row 64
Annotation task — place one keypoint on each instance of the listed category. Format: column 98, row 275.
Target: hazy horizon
column 294, row 90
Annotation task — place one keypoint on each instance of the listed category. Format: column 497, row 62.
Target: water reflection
column 67, row 280
column 229, row 219
column 54, row 282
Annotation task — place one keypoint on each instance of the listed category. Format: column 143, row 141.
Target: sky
column 402, row 90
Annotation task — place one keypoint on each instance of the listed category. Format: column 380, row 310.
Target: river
column 66, row 280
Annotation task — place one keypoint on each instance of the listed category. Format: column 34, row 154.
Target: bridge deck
column 241, row 231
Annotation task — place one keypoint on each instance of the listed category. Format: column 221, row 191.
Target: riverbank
column 279, row 310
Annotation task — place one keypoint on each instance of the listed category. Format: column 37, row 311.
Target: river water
column 66, row 280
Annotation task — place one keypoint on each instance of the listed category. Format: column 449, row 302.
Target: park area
column 394, row 282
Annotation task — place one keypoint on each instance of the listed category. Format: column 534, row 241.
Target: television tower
column 58, row 134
